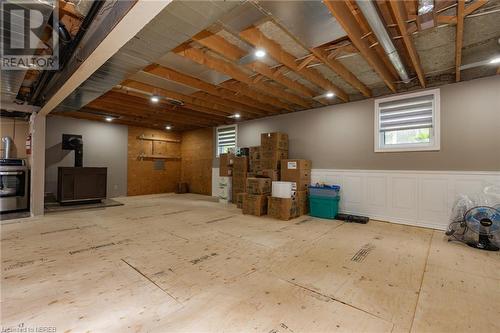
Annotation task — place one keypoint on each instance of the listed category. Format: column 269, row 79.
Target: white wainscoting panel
column 417, row 198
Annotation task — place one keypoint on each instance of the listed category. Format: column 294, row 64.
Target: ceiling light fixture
column 260, row 53
column 329, row 94
column 237, row 115
column 495, row 60
column 168, row 127
column 155, row 99
column 109, row 119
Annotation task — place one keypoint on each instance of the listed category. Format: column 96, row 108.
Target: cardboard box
column 270, row 160
column 270, row 173
column 240, row 165
column 302, row 202
column 294, row 170
column 239, row 183
column 258, row 186
column 282, row 208
column 274, row 141
column 255, row 153
column 239, row 200
column 226, row 164
column 301, row 185
column 255, row 166
column 255, row 204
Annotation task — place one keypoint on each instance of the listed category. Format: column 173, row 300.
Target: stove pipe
column 6, row 143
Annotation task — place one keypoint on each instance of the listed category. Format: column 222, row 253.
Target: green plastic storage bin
column 323, row 207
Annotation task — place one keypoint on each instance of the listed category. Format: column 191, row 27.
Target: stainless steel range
column 14, row 182
column 14, row 192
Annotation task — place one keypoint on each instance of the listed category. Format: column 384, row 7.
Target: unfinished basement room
column 293, row 166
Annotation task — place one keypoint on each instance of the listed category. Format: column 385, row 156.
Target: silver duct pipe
column 7, row 143
column 370, row 13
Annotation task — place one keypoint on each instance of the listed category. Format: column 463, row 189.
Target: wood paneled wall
column 143, row 178
column 197, row 153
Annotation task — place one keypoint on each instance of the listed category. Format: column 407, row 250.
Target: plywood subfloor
column 180, row 263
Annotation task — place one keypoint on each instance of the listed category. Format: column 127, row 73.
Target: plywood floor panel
column 183, row 263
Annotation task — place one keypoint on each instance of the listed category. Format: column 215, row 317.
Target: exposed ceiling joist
column 243, row 89
column 238, row 108
column 341, row 70
column 459, row 38
column 400, row 15
column 230, row 69
column 255, row 37
column 469, row 9
column 341, row 11
column 190, row 102
column 190, row 81
column 127, row 120
column 234, row 53
column 118, row 103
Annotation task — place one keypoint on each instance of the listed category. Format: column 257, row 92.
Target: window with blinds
column 407, row 122
column 226, row 138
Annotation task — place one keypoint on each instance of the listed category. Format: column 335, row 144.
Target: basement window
column 408, row 122
column 226, row 139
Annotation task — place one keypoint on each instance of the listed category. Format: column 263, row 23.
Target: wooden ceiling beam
column 469, row 9
column 234, row 53
column 213, row 99
column 143, row 110
column 242, row 89
column 257, row 39
column 337, row 67
column 401, row 16
column 111, row 108
column 341, row 11
column 89, row 114
column 190, row 102
column 232, row 70
column 173, row 113
column 193, row 82
column 459, row 38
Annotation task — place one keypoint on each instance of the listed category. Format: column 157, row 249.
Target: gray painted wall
column 342, row 136
column 104, row 145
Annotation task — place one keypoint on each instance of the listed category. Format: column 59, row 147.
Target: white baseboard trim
column 416, row 198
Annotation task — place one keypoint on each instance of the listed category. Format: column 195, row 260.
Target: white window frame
column 217, row 137
column 435, row 140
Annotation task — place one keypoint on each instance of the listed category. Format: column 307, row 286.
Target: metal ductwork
column 7, row 147
column 372, row 16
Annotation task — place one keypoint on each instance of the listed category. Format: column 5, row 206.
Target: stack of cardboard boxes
column 254, row 156
column 273, row 149
column 255, row 176
column 255, row 198
column 226, row 164
column 225, row 173
column 240, row 174
column 299, row 173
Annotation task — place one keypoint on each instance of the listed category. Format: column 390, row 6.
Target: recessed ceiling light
column 109, row 119
column 237, row 115
column 495, row 60
column 329, row 94
column 168, row 127
column 155, row 99
column 260, row 53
